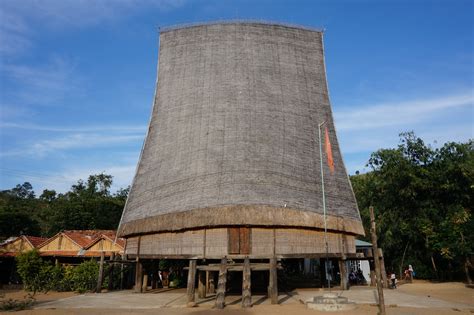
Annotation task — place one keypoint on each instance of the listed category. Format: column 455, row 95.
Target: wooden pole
column 191, row 281
column 343, row 273
column 110, row 285
column 246, row 285
column 202, row 285
column 273, row 283
column 382, row 269
column 100, row 279
column 220, row 297
column 212, row 282
column 145, row 282
column 138, row 276
column 373, row 233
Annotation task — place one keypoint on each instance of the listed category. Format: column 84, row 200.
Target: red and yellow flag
column 327, row 145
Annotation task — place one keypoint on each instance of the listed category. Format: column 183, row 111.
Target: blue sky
column 77, row 77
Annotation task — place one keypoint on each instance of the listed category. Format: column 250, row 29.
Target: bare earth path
column 422, row 298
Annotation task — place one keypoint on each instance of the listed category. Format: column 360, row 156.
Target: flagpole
column 324, row 204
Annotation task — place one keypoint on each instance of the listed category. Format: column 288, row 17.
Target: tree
column 422, row 198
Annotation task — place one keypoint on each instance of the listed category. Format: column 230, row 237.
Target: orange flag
column 327, row 145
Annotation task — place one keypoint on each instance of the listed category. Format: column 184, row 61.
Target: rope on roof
column 238, row 21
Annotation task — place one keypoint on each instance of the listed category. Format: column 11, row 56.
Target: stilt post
column 100, row 279
column 378, row 273
column 202, row 285
column 273, row 283
column 145, row 282
column 343, row 273
column 220, row 297
column 138, row 276
column 246, row 285
column 110, row 285
column 191, row 281
column 212, row 282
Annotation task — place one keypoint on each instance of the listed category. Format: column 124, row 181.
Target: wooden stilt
column 110, row 285
column 372, row 278
column 202, row 285
column 100, row 279
column 191, row 281
column 273, row 283
column 220, row 298
column 246, row 285
column 145, row 282
column 138, row 276
column 378, row 275
column 343, row 273
column 212, row 282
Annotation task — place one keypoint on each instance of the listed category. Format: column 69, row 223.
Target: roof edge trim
column 174, row 27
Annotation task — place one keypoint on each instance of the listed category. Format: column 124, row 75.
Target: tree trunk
column 434, row 266
column 467, row 266
column 403, row 260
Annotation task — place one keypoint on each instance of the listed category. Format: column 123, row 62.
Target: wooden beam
column 343, row 273
column 145, row 282
column 273, row 283
column 100, row 279
column 212, row 282
column 191, row 281
column 110, row 285
column 220, row 297
column 138, row 276
column 246, row 285
column 373, row 233
column 202, row 284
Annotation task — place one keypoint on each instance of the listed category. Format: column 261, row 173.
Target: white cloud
column 436, row 120
column 44, row 84
column 399, row 114
column 43, row 148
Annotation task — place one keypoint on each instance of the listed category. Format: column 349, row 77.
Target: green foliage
column 423, row 203
column 33, row 271
column 38, row 275
column 84, row 277
column 88, row 205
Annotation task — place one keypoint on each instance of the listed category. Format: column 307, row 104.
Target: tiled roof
column 85, row 237
column 35, row 240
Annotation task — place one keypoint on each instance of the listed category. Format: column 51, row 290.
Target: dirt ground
column 459, row 298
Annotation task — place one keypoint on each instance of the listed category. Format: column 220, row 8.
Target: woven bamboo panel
column 182, row 243
column 262, row 241
column 216, row 242
column 132, row 246
column 297, row 241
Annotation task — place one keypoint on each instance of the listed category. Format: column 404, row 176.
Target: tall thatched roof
column 233, row 134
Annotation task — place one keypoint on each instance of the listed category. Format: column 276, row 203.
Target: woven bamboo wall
column 265, row 242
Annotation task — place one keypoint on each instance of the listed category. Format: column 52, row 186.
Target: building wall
column 214, row 243
column 59, row 243
column 105, row 245
column 17, row 246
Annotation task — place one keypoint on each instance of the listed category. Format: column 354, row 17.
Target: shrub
column 84, row 277
column 34, row 272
